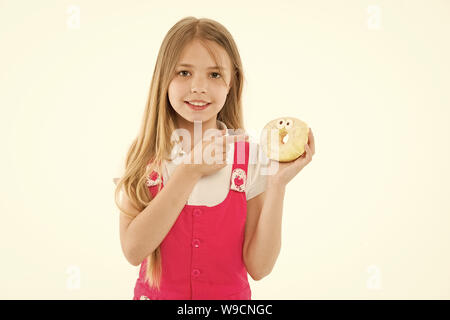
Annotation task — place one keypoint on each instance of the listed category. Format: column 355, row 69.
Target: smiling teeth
column 198, row 104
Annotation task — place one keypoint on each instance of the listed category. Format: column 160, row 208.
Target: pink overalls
column 201, row 255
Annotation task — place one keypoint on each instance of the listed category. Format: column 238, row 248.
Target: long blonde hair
column 151, row 146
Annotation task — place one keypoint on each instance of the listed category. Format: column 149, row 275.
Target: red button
column 195, row 272
column 196, row 243
column 197, row 212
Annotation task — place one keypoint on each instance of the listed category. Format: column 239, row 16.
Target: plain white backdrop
column 368, row 218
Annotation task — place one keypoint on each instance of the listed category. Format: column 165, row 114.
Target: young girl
column 198, row 228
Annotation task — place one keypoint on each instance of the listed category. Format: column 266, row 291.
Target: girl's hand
column 205, row 150
column 288, row 170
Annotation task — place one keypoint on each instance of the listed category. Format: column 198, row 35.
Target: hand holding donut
column 290, row 142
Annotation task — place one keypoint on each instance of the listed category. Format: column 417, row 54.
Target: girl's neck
column 197, row 129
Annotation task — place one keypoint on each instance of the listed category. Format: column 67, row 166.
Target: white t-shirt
column 212, row 189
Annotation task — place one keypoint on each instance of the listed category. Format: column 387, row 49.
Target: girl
column 198, row 234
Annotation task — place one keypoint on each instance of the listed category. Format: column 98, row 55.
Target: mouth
column 194, row 107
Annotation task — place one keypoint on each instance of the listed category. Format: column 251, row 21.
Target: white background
column 368, row 218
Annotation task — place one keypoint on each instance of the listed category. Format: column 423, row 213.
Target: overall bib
column 202, row 255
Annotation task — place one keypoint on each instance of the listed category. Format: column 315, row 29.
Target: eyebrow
column 191, row 66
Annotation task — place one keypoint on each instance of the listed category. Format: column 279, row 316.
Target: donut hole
column 284, row 138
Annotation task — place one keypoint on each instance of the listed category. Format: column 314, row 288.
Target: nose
column 198, row 89
column 198, row 85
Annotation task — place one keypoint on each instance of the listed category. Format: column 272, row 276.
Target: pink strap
column 240, row 161
column 238, row 179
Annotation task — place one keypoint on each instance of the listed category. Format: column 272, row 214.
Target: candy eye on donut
column 289, row 124
column 280, row 124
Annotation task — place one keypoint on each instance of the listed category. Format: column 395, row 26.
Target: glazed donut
column 284, row 139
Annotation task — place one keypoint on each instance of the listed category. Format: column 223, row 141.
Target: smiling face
column 200, row 81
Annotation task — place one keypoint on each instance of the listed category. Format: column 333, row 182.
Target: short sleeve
column 256, row 181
